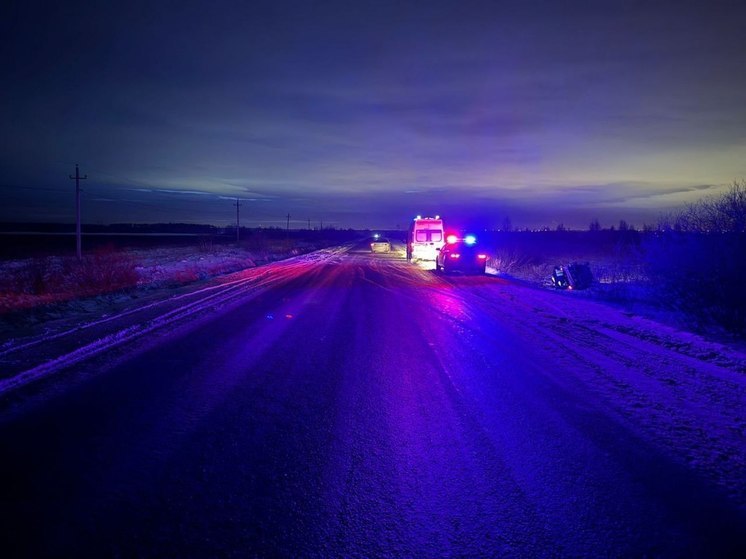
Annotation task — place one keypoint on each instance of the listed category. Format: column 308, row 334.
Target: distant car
column 380, row 245
column 461, row 256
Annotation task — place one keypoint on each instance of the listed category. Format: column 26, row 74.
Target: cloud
column 368, row 111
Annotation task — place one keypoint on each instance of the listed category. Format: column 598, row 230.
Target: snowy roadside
column 623, row 286
column 27, row 310
column 73, row 339
column 678, row 391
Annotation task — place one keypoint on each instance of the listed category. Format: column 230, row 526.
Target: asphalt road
column 360, row 406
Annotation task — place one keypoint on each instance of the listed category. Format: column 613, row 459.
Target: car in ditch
column 461, row 255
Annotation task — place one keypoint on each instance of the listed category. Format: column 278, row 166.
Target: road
column 354, row 405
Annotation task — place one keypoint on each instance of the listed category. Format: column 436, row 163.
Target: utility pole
column 238, row 226
column 78, row 178
column 287, row 231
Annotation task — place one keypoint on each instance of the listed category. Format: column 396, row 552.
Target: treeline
column 714, row 214
column 115, row 228
column 157, row 229
column 725, row 213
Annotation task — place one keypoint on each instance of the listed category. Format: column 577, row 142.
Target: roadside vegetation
column 118, row 268
column 691, row 263
column 698, row 260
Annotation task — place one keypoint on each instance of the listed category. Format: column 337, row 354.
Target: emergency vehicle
column 426, row 236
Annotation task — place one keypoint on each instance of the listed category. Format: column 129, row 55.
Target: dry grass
column 37, row 281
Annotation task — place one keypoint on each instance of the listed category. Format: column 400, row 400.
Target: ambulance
column 426, row 236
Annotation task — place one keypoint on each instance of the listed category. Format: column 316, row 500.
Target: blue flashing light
column 470, row 239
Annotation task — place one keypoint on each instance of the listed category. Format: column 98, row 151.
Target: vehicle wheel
column 437, row 267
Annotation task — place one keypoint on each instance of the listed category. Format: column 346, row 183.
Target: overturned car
column 572, row 276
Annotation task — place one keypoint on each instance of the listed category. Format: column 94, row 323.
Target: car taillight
column 482, row 256
column 455, row 255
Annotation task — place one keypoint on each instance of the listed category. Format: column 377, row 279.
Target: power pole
column 287, row 231
column 238, row 226
column 78, row 178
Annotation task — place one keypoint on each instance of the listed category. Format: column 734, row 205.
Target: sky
column 364, row 114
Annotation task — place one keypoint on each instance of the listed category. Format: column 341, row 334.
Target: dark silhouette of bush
column 702, row 275
column 714, row 214
column 697, row 261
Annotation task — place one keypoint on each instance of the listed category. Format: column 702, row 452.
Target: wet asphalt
column 361, row 407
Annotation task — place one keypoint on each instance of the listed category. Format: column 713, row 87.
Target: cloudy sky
column 364, row 114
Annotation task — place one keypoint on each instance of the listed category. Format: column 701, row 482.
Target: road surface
column 347, row 404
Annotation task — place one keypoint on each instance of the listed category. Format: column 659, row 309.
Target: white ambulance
column 426, row 236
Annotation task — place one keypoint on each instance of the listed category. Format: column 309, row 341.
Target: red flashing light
column 450, row 239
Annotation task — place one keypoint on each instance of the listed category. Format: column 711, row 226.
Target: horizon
column 24, row 227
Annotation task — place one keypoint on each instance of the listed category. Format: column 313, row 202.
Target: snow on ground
column 678, row 390
column 40, row 295
column 77, row 337
column 673, row 385
column 166, row 266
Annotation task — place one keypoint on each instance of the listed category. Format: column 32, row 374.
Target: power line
column 78, row 178
column 238, row 226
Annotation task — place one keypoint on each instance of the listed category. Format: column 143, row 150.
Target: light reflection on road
column 425, row 264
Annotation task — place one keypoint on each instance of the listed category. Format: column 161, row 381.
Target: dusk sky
column 365, row 114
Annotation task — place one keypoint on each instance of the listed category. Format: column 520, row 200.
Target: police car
column 461, row 255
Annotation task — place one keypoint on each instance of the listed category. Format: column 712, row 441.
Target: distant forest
column 175, row 228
